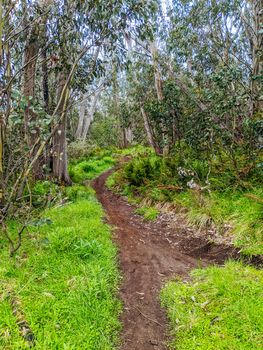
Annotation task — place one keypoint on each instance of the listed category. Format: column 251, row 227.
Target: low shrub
column 140, row 170
column 149, row 213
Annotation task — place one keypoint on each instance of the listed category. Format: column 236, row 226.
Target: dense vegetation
column 174, row 88
column 231, row 205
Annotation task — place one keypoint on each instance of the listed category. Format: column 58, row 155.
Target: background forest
column 183, row 77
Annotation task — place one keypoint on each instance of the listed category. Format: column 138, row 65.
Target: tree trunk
column 30, row 60
column 2, row 164
column 45, row 91
column 257, row 86
column 45, row 86
column 86, row 126
column 124, row 138
column 1, row 30
column 82, row 111
column 149, row 132
column 128, row 135
column 5, row 100
column 157, row 74
column 91, row 112
column 59, row 149
column 159, row 90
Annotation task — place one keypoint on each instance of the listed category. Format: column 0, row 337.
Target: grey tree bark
column 59, row 147
column 257, row 56
column 86, row 113
column 149, row 132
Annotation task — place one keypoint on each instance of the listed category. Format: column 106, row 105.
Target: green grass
column 238, row 209
column 90, row 168
column 135, row 151
column 149, row 213
column 110, row 182
column 218, row 309
column 99, row 160
column 64, row 278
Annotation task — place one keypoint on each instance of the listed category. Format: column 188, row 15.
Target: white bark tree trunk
column 148, row 130
column 157, row 74
column 82, row 111
column 257, row 52
column 86, row 113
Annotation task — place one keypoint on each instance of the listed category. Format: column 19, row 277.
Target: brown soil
column 149, row 254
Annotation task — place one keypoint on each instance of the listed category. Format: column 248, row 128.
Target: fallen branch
column 24, row 328
column 148, row 318
column 254, row 198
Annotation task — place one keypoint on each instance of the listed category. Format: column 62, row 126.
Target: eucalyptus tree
column 57, row 40
column 214, row 56
column 87, row 109
column 103, row 24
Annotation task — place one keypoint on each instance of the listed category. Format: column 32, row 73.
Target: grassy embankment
column 219, row 309
column 221, row 201
column 61, row 284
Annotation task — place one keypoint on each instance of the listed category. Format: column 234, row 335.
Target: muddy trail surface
column 149, row 254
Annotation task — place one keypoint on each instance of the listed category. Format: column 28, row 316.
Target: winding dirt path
column 149, row 254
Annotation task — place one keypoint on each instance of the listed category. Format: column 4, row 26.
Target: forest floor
column 150, row 253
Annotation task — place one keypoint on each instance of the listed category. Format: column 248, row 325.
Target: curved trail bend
column 147, row 258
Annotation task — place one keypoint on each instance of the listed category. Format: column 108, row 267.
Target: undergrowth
column 219, row 308
column 239, row 213
column 90, row 168
column 214, row 196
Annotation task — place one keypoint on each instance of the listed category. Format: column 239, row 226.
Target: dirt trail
column 149, row 254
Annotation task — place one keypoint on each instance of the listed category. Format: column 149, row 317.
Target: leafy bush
column 139, row 170
column 105, row 132
column 79, row 150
